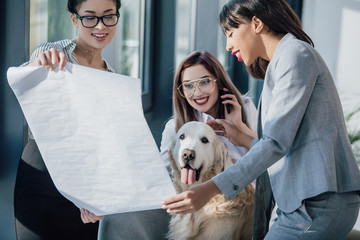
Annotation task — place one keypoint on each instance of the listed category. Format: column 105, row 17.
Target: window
column 49, row 21
column 130, row 38
column 184, row 29
column 222, row 54
column 132, row 44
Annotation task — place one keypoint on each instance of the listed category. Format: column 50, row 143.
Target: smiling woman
column 201, row 90
column 41, row 211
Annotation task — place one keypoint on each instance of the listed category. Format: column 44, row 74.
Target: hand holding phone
column 227, row 105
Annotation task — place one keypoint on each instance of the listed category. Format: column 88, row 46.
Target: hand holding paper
column 91, row 131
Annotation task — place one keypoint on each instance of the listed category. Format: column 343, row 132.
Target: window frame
column 146, row 53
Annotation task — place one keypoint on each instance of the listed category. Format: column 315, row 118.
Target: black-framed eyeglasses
column 206, row 85
column 92, row 21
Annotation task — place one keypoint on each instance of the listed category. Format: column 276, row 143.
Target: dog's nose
column 188, row 155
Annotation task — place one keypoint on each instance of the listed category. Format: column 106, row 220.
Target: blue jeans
column 328, row 216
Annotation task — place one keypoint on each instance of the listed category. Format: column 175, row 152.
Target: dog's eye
column 204, row 140
column 182, row 137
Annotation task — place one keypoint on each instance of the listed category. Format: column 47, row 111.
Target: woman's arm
column 49, row 55
column 191, row 200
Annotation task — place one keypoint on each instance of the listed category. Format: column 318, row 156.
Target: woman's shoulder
column 247, row 99
column 59, row 45
column 109, row 68
column 170, row 125
column 168, row 133
column 289, row 45
column 249, row 104
column 251, row 111
column 292, row 53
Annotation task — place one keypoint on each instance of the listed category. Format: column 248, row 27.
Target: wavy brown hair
column 277, row 15
column 183, row 112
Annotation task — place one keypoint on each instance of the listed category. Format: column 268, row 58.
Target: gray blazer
column 304, row 144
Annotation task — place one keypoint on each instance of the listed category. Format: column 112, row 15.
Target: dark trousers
column 41, row 212
column 40, row 217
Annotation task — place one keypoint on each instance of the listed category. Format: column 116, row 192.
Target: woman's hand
column 235, row 114
column 237, row 136
column 191, row 200
column 50, row 59
column 88, row 217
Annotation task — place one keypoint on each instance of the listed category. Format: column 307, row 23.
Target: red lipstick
column 201, row 101
column 239, row 57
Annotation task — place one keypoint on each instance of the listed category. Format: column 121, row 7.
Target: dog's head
column 197, row 154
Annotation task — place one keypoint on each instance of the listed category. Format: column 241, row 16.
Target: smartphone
column 227, row 105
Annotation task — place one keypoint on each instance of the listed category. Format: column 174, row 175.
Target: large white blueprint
column 92, row 134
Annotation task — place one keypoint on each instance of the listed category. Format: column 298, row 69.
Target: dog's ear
column 222, row 155
column 173, row 154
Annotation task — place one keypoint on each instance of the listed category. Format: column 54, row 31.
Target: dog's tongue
column 188, row 175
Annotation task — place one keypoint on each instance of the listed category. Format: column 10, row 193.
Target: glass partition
column 184, row 29
column 49, row 21
column 129, row 39
column 222, row 54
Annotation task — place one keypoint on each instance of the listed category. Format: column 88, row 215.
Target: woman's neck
column 270, row 43
column 213, row 111
column 88, row 57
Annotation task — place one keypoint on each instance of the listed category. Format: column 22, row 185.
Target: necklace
column 83, row 49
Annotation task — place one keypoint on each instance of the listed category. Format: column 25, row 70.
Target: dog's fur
column 219, row 218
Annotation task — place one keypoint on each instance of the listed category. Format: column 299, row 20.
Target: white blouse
column 235, row 152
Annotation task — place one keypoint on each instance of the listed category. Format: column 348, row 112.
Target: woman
column 202, row 89
column 303, row 143
column 41, row 211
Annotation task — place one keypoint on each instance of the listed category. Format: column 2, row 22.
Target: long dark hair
column 183, row 112
column 73, row 5
column 277, row 15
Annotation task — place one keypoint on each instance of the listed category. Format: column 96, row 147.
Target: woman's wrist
column 247, row 140
column 213, row 189
column 246, row 130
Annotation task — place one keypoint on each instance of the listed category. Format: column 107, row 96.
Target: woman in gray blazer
column 303, row 143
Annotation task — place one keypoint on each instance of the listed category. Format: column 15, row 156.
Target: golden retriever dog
column 197, row 154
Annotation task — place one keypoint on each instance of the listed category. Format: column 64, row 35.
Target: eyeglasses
column 92, row 21
column 206, row 85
